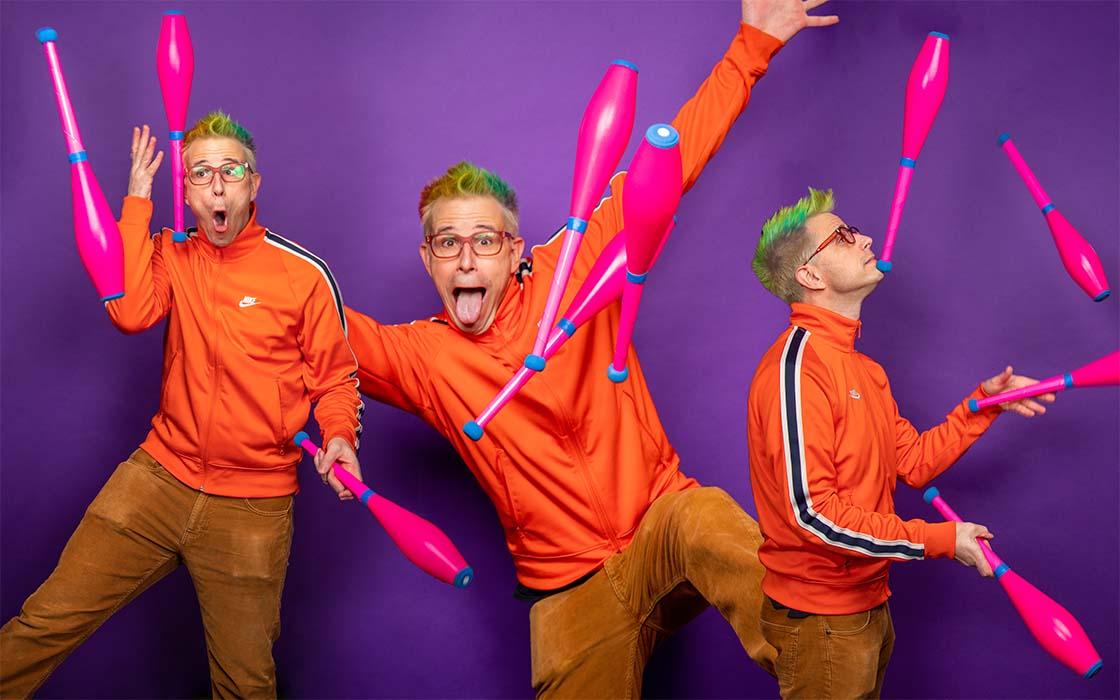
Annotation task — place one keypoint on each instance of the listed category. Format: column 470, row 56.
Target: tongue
column 468, row 306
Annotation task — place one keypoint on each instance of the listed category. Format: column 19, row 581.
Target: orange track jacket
column 257, row 332
column 573, row 462
column 826, row 447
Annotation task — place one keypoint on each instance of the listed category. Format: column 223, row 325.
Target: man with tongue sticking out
column 255, row 334
column 614, row 544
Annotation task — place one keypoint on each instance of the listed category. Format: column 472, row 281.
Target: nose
column 864, row 241
column 217, row 184
column 466, row 258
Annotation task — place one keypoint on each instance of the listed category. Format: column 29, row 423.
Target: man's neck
column 848, row 306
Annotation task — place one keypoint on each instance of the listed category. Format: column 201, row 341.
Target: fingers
column 825, row 21
column 1018, row 407
column 1034, row 406
column 334, row 483
column 135, row 141
column 812, row 4
column 154, row 166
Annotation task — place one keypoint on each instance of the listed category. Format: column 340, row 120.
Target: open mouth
column 468, row 304
column 218, row 221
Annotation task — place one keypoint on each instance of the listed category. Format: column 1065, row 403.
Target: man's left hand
column 337, row 450
column 1006, row 381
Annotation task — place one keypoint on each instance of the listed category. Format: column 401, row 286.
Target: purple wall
column 355, row 106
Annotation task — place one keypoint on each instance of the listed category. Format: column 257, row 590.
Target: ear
column 426, row 258
column 516, row 251
column 256, row 185
column 809, row 278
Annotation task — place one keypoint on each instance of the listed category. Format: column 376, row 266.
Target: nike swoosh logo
column 247, row 302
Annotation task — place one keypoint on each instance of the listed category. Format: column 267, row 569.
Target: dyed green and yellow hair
column 464, row 180
column 784, row 246
column 218, row 124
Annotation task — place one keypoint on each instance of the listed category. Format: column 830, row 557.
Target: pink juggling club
column 1079, row 258
column 1102, row 372
column 175, row 66
column 603, row 286
column 1059, row 632
column 649, row 201
column 95, row 229
column 423, row 543
column 603, row 135
column 925, row 89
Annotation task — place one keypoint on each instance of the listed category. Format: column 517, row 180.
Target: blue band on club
column 1001, row 570
column 577, row 224
column 175, row 135
column 77, row 157
column 567, row 326
column 1067, row 379
column 1048, row 208
column 907, row 162
column 365, row 496
column 636, row 279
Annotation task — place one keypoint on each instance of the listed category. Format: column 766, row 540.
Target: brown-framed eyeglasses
column 484, row 244
column 843, row 232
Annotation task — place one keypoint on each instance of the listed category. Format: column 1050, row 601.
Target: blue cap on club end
column 45, row 34
column 940, row 35
column 1003, row 138
column 617, row 375
column 930, row 494
column 179, row 236
column 1103, row 295
column 1093, row 669
column 464, row 578
column 973, row 405
column 300, row 437
column 473, row 431
column 535, row 363
column 662, row 136
column 173, row 12
column 625, row 64
column 883, row 265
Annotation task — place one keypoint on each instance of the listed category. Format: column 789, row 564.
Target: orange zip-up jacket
column 573, row 462
column 827, row 446
column 256, row 334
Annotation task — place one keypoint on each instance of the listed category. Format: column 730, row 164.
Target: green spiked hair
column 784, row 245
column 220, row 125
column 464, row 180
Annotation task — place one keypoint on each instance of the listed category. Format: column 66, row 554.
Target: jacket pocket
column 508, row 511
column 282, row 429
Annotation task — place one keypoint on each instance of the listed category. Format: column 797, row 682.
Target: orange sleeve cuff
column 753, row 54
column 136, row 212
column 941, row 540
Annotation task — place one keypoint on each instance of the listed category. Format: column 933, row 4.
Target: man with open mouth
column 615, row 546
column 256, row 332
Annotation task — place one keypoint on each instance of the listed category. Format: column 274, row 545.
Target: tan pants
column 830, row 656
column 141, row 526
column 693, row 548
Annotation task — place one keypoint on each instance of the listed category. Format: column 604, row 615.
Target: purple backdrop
column 355, row 106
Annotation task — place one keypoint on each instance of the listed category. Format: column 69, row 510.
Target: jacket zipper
column 217, row 380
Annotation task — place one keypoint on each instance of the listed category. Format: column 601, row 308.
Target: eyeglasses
column 229, row 172
column 486, row 244
column 845, row 233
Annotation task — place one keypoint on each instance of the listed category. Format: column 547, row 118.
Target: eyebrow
column 224, row 162
column 478, row 228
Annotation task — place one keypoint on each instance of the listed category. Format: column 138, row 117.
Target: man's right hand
column 782, row 19
column 968, row 549
column 144, row 166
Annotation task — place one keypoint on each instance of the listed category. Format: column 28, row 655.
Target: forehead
column 215, row 150
column 822, row 225
column 467, row 214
